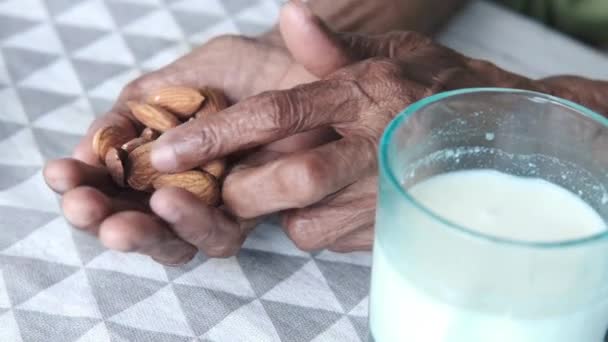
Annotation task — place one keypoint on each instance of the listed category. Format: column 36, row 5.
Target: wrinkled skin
column 324, row 188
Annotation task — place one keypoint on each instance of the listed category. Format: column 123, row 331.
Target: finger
column 63, row 175
column 326, row 222
column 133, row 231
column 299, row 180
column 259, row 120
column 359, row 240
column 209, row 229
column 307, row 37
column 86, row 207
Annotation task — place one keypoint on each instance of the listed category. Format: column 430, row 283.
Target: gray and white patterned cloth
column 63, row 61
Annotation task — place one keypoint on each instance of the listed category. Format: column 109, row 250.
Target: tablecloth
column 64, row 61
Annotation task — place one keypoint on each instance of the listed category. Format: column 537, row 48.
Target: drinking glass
column 435, row 281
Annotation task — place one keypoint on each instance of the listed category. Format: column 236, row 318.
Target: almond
column 140, row 173
column 216, row 168
column 182, row 101
column 149, row 134
column 201, row 184
column 130, row 145
column 152, row 116
column 215, row 101
column 107, row 137
column 115, row 159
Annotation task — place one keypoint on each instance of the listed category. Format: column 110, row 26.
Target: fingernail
column 163, row 157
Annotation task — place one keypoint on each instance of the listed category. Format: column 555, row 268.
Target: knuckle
column 303, row 180
column 284, row 110
column 301, row 232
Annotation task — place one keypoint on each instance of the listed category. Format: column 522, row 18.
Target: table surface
column 62, row 61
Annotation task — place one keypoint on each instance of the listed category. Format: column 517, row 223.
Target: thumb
column 322, row 51
column 310, row 41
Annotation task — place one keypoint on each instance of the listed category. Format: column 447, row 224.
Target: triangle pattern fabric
column 38, row 102
column 20, row 149
column 343, row 330
column 306, row 287
column 232, row 278
column 58, row 6
column 253, row 324
column 176, row 272
column 116, row 291
column 10, row 25
column 38, row 326
column 13, row 175
column 88, row 13
column 31, row 9
column 97, row 53
column 77, row 113
column 361, row 309
column 71, row 297
column 51, row 243
column 296, row 323
column 132, row 264
column 8, row 128
column 271, row 238
column 100, row 106
column 77, row 37
column 21, row 62
column 234, row 7
column 25, row 277
column 54, row 144
column 11, row 109
column 357, row 258
column 94, row 73
column 17, row 223
column 60, row 72
column 125, row 13
column 99, row 333
column 146, row 47
column 265, row 270
column 361, row 326
column 10, row 329
column 193, row 23
column 349, row 282
column 158, row 24
column 209, row 7
column 119, row 332
column 161, row 312
column 217, row 306
column 40, row 38
column 87, row 245
column 5, row 301
column 33, row 193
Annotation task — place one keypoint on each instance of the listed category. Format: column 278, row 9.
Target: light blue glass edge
column 387, row 172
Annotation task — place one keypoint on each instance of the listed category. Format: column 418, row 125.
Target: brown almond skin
column 107, row 137
column 215, row 101
column 201, row 184
column 181, row 101
column 115, row 159
column 149, row 134
column 140, row 173
column 132, row 144
column 216, row 168
column 152, row 116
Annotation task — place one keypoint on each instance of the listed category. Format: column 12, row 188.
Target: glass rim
column 387, row 172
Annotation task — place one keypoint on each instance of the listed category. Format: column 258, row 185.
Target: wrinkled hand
column 327, row 194
column 125, row 220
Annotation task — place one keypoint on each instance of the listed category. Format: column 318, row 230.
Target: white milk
column 500, row 205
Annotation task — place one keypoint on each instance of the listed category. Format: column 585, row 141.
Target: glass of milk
column 491, row 221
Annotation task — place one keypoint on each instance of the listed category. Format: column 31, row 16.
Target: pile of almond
column 128, row 160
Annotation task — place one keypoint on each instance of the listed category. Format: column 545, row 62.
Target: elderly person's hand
column 238, row 65
column 326, row 194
